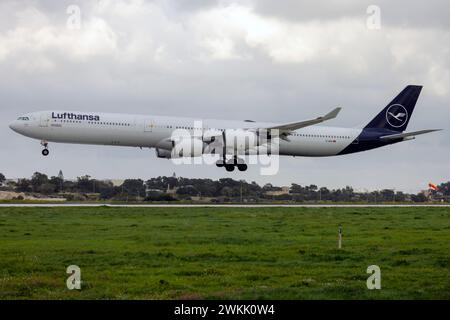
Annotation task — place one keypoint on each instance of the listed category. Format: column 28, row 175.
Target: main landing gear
column 45, row 152
column 231, row 164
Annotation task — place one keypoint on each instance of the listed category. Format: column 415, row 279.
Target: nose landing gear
column 45, row 152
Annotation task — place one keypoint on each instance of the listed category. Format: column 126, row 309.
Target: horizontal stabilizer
column 407, row 134
column 298, row 125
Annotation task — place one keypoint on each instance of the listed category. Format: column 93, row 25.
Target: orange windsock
column 432, row 186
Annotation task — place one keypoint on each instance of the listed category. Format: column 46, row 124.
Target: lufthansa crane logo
column 396, row 115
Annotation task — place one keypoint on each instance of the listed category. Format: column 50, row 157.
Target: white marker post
column 340, row 237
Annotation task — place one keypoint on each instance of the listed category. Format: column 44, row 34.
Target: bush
column 160, row 197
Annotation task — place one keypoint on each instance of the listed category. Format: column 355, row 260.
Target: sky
column 262, row 60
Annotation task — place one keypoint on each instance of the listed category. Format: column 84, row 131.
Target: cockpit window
column 24, row 119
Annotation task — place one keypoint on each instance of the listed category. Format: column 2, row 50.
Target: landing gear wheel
column 229, row 167
column 220, row 163
column 45, row 152
column 242, row 167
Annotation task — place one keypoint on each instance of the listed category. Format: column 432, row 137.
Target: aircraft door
column 148, row 125
column 44, row 120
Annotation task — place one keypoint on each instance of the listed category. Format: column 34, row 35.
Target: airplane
column 302, row 138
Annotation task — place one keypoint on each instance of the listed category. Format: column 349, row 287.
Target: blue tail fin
column 397, row 113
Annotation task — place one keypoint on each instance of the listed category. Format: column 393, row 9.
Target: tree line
column 226, row 189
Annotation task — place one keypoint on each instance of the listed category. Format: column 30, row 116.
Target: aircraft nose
column 13, row 125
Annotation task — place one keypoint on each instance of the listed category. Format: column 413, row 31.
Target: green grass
column 221, row 253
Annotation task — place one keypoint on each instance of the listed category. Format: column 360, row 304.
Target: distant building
column 283, row 191
column 434, row 196
column 171, row 191
column 149, row 191
column 116, row 182
column 8, row 181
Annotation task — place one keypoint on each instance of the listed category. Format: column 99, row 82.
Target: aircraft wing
column 298, row 125
column 407, row 134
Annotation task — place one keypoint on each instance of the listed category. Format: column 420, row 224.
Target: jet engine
column 163, row 153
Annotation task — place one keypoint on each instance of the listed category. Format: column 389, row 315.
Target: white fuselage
column 156, row 131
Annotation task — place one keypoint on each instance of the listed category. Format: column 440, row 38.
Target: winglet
column 333, row 114
column 298, row 125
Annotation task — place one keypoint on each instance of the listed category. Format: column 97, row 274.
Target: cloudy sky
column 263, row 60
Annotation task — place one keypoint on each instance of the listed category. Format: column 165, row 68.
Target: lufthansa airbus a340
column 303, row 138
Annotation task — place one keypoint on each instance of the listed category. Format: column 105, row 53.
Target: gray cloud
column 403, row 13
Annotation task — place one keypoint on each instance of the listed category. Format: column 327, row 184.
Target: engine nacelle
column 187, row 148
column 163, row 153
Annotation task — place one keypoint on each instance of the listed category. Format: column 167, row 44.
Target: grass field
column 221, row 253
